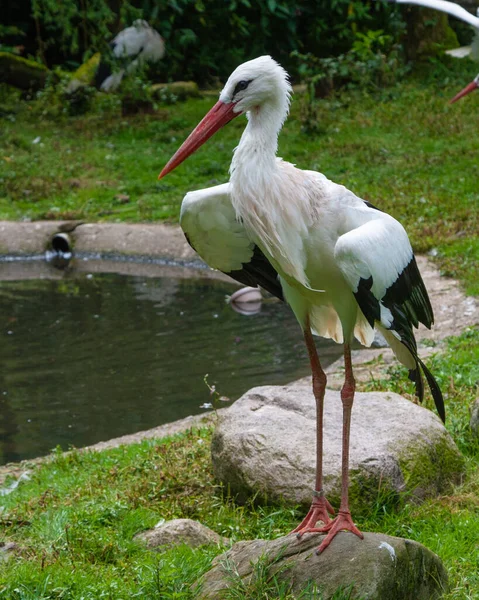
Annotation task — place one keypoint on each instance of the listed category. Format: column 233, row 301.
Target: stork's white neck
column 255, row 156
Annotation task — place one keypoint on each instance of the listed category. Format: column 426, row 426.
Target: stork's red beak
column 467, row 90
column 219, row 115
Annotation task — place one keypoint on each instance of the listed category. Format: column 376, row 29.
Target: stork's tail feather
column 435, row 391
column 403, row 344
column 416, row 376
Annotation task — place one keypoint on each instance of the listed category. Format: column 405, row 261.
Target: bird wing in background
column 209, row 222
column 377, row 261
column 450, row 8
column 461, row 52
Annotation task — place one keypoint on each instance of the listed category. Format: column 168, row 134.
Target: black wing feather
column 409, row 292
column 409, row 303
column 258, row 271
column 368, row 303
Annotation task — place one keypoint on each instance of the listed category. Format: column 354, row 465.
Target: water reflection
column 93, row 357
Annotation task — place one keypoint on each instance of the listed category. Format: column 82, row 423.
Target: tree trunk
column 426, row 30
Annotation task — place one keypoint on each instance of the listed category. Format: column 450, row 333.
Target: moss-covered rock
column 21, row 72
column 264, row 447
column 85, row 74
column 380, row 567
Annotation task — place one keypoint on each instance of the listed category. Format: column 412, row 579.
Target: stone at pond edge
column 380, row 567
column 264, row 445
column 177, row 532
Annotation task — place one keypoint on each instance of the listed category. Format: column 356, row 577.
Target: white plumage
column 457, row 11
column 451, row 8
column 343, row 266
column 131, row 48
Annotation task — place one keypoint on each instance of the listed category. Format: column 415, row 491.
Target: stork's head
column 254, row 83
column 251, row 85
column 474, row 85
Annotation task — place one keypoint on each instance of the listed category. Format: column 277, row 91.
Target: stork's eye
column 240, row 86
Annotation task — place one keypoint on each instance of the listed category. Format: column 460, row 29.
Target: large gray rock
column 265, row 444
column 380, row 567
column 177, row 532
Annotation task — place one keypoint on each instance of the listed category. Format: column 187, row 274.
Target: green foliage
column 76, row 27
column 204, row 40
column 135, row 94
column 374, row 62
column 9, row 32
column 57, row 100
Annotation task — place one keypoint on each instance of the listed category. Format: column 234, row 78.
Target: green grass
column 74, row 521
column 406, row 151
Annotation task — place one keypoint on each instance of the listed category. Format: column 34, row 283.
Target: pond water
column 95, row 356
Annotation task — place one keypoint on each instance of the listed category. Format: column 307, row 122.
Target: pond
column 91, row 356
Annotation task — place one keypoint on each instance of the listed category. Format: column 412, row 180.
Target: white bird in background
column 462, row 14
column 131, row 48
column 343, row 266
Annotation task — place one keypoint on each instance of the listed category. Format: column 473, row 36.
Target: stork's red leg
column 320, row 507
column 343, row 522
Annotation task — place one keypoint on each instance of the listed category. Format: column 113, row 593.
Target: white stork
column 343, row 266
column 462, row 14
column 131, row 48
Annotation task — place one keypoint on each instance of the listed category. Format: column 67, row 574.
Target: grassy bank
column 406, row 151
column 74, row 521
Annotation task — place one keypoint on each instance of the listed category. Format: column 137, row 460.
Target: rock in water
column 380, row 567
column 265, row 444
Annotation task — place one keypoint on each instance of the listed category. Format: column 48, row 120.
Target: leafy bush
column 204, row 40
column 375, row 61
column 56, row 100
column 135, row 94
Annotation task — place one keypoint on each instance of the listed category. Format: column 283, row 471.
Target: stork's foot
column 319, row 511
column 343, row 522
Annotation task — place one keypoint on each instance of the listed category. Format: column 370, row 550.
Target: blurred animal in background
column 131, row 48
column 455, row 10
